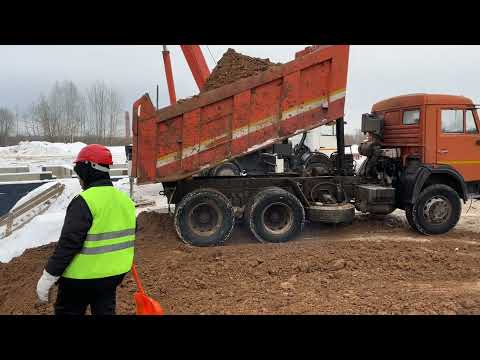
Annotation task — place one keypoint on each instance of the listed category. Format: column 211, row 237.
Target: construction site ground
column 375, row 266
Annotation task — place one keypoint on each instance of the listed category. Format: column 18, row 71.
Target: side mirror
column 128, row 152
column 372, row 124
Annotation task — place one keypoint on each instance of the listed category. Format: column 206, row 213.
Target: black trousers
column 74, row 296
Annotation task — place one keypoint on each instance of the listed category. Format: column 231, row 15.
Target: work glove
column 44, row 286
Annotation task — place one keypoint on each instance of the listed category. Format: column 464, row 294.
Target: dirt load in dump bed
column 375, row 266
column 234, row 66
column 231, row 67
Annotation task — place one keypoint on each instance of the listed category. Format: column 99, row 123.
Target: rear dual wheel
column 275, row 215
column 204, row 217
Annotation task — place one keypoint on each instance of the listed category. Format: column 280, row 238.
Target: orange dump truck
column 408, row 165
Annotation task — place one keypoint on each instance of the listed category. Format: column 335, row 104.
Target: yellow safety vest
column 109, row 247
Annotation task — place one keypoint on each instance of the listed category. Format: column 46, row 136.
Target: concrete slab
column 46, row 175
column 14, row 170
column 118, row 172
column 60, row 172
column 113, row 178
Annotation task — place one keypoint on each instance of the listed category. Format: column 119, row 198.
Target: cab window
column 411, row 117
column 470, row 124
column 452, row 121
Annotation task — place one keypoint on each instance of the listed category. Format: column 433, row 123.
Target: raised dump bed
column 181, row 140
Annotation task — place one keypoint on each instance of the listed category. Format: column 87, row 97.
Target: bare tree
column 31, row 122
column 66, row 114
column 97, row 96
column 7, row 120
column 42, row 119
column 104, row 111
column 67, row 110
column 114, row 112
column 73, row 110
column 17, row 118
column 83, row 117
column 60, row 115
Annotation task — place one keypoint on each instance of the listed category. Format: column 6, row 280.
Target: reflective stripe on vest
column 110, row 235
column 109, row 246
column 106, row 248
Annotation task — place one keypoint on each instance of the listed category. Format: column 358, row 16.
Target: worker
column 96, row 245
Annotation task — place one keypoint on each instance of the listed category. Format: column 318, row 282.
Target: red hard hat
column 95, row 153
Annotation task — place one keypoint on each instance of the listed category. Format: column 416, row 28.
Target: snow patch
column 33, row 149
column 36, row 154
column 31, row 236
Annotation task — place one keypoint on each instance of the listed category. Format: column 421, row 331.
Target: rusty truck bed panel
column 181, row 140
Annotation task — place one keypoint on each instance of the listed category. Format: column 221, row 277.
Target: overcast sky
column 375, row 72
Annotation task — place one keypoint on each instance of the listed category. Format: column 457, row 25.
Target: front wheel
column 436, row 211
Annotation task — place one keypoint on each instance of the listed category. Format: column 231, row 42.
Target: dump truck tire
column 409, row 216
column 275, row 215
column 436, row 211
column 332, row 214
column 226, row 169
column 204, row 217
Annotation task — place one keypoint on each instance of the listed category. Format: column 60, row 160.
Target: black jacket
column 78, row 221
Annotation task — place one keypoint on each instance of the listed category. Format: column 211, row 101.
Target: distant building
column 322, row 139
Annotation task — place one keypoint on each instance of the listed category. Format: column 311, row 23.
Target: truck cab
column 442, row 130
column 427, row 147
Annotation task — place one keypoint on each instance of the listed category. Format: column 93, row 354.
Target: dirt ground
column 375, row 266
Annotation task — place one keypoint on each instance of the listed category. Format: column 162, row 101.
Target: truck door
column 458, row 141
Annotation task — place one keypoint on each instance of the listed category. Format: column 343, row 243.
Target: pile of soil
column 18, row 282
column 234, row 66
column 231, row 67
column 153, row 224
column 371, row 267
